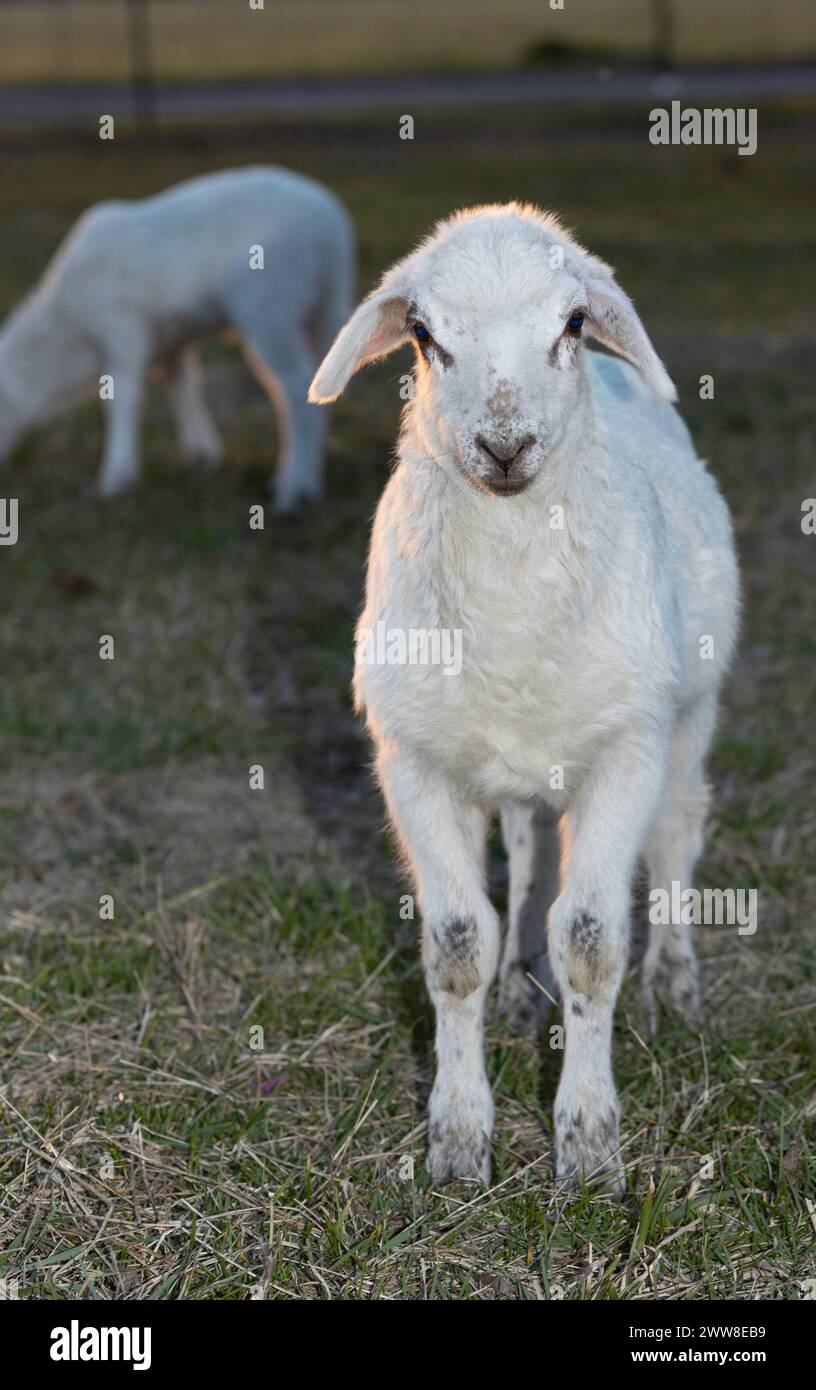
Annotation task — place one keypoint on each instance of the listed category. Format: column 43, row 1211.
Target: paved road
column 299, row 98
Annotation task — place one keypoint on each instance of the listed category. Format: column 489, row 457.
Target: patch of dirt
column 155, row 833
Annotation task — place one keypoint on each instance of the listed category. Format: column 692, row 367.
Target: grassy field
column 153, row 1142
column 88, row 39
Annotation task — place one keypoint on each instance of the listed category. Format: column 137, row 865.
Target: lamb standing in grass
column 137, row 284
column 549, row 504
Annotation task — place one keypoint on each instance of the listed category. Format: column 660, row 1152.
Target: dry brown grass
column 154, row 832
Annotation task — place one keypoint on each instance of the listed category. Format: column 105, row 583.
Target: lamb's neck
column 570, row 504
column 43, row 360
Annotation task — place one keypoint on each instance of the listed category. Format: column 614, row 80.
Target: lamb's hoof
column 517, row 1004
column 608, row 1180
column 677, row 984
column 458, row 1153
column 208, row 459
column 108, row 488
column 587, row 1149
column 294, row 502
column 460, row 1123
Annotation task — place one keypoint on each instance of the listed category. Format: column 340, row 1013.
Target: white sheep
column 548, row 503
column 261, row 251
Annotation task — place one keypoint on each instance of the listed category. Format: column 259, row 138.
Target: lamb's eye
column 421, row 332
column 575, row 323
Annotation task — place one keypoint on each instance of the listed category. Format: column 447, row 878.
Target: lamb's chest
column 495, row 716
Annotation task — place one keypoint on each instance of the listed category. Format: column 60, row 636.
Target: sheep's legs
column 531, row 839
column 121, row 461
column 197, row 434
column 672, row 847
column 285, row 364
column 602, row 834
column 444, row 840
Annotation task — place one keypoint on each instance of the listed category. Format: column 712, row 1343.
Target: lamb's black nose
column 503, row 454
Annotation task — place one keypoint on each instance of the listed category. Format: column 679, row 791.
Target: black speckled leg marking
column 456, row 961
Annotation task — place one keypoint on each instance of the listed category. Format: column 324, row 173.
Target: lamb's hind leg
column 531, row 838
column 673, row 845
column 197, row 434
column 284, row 363
column 444, row 841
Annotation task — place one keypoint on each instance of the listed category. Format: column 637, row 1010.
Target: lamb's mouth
column 507, row 488
column 493, row 486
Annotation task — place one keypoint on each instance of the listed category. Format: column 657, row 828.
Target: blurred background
column 88, row 40
column 283, row 908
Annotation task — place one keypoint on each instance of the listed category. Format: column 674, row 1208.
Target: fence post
column 663, row 40
column 142, row 81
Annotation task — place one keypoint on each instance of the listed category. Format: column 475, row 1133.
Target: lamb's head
column 496, row 301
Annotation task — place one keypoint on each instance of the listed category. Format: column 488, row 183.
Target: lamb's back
column 185, row 249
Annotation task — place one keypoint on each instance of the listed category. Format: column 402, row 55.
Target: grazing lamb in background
column 548, row 503
column 136, row 284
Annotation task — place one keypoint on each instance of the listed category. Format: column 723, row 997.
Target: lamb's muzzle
column 588, row 685
column 504, row 457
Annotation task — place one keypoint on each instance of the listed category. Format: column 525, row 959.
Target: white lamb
column 136, row 284
column 548, row 503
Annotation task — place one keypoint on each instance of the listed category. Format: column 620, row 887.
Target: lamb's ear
column 375, row 328
column 614, row 322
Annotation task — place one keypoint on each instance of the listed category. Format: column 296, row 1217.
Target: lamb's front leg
column 444, row 840
column 602, row 834
column 121, row 461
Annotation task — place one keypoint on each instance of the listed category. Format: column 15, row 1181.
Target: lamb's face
column 495, row 302
column 501, row 387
